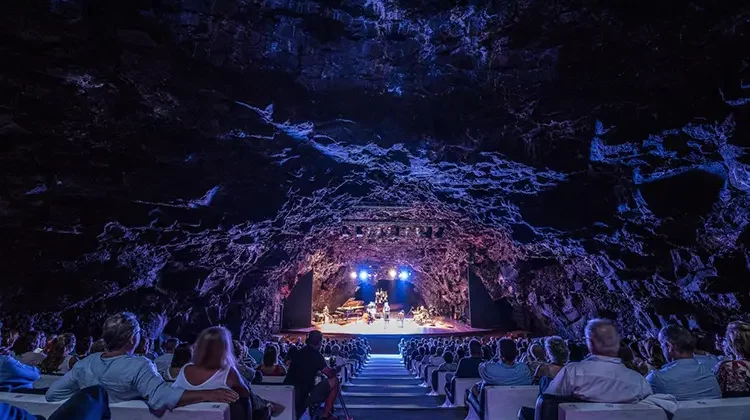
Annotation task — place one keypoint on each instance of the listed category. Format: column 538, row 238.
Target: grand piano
column 351, row 309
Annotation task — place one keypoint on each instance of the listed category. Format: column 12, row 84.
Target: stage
column 379, row 327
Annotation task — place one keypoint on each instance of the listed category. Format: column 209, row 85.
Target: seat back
column 45, row 381
column 281, row 394
column 273, row 379
column 441, row 383
column 724, row 409
column 463, row 384
column 503, row 402
column 129, row 410
column 428, row 375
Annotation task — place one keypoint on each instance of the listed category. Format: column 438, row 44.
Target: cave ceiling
column 189, row 159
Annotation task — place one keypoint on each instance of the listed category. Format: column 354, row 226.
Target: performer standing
column 401, row 318
column 386, row 314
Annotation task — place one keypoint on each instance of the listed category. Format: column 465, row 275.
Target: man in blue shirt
column 14, row 375
column 684, row 377
column 507, row 371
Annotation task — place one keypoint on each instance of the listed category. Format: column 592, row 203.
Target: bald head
column 602, row 338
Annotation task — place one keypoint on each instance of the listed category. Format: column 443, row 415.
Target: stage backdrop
column 484, row 312
column 298, row 306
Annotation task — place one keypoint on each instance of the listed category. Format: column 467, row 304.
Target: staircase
column 385, row 390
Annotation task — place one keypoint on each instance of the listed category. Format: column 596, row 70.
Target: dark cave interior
column 189, row 159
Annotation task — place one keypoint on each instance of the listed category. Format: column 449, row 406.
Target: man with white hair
column 601, row 377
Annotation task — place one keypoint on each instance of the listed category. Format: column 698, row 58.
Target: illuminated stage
column 379, row 327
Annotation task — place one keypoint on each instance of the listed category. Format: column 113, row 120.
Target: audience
column 60, row 358
column 683, row 376
column 507, row 371
column 600, row 377
column 734, row 375
column 15, row 376
column 557, row 354
column 254, row 351
column 83, row 347
column 181, row 356
column 307, row 364
column 164, row 362
column 144, row 349
column 270, row 365
column 126, row 376
column 27, row 349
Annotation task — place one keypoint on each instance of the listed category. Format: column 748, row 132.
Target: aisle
column 384, row 389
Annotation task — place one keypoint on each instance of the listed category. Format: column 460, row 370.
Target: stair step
column 385, row 394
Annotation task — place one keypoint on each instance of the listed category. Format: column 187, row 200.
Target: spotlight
column 353, row 275
column 392, row 273
column 363, row 275
column 403, row 275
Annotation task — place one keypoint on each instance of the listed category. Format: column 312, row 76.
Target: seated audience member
column 270, row 365
column 307, row 364
column 576, row 352
column 655, row 354
column 99, row 346
column 628, row 360
column 60, row 358
column 437, row 358
column 15, row 375
column 164, row 362
column 182, row 355
column 682, row 376
column 468, row 367
column 601, row 377
column 9, row 337
column 254, row 351
column 536, row 357
column 704, row 348
column 507, row 371
column 337, row 360
column 734, row 375
column 557, row 354
column 128, row 377
column 247, row 372
column 290, row 354
column 83, row 347
column 27, row 349
column 144, row 349
column 449, row 366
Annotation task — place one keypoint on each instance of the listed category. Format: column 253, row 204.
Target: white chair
column 462, row 384
column 273, row 379
column 129, row 410
column 724, row 409
column 281, row 394
column 503, row 402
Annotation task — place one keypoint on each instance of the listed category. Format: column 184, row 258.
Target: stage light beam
column 353, row 275
column 392, row 273
column 403, row 275
column 363, row 275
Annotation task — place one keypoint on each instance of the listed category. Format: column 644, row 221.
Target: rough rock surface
column 188, row 159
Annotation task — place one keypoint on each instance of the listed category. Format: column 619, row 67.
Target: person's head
column 507, row 351
column 213, row 349
column 314, row 339
column 557, row 351
column 291, row 353
column 433, row 350
column 83, row 345
column 144, row 347
column 706, row 344
column 255, row 344
column 536, row 351
column 738, row 339
column 486, row 353
column 422, row 350
column 99, row 346
column 182, row 355
column 63, row 345
column 654, row 352
column 448, row 357
column 676, row 342
column 335, row 350
column 171, row 344
column 26, row 343
column 239, row 350
column 9, row 337
column 475, row 348
column 602, row 338
column 635, row 349
column 270, row 355
column 460, row 353
column 121, row 332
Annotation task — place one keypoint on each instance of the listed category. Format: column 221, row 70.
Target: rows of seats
column 724, row 409
column 501, row 402
column 129, row 410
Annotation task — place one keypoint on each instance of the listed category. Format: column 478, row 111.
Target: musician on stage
column 371, row 310
column 386, row 313
column 401, row 318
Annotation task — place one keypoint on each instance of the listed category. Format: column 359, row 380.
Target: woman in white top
column 60, row 358
column 182, row 355
column 213, row 365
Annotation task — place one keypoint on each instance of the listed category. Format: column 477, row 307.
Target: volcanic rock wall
column 188, row 159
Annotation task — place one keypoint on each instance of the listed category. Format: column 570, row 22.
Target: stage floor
column 379, row 327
